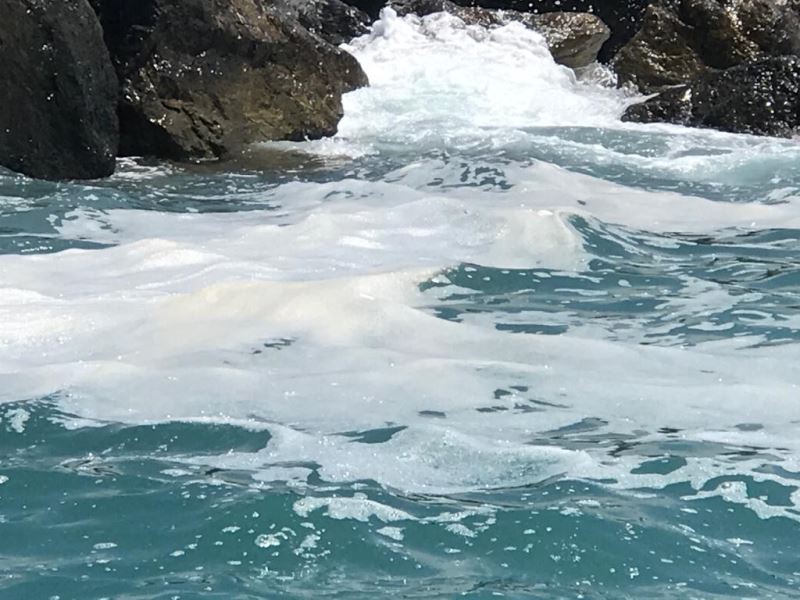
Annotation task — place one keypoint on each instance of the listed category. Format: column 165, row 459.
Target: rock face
column 59, row 92
column 201, row 78
column 760, row 97
column 682, row 39
column 574, row 39
column 333, row 20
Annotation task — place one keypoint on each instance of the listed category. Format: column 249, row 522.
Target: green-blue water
column 114, row 512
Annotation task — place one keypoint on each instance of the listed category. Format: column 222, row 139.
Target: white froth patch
column 359, row 508
column 418, row 460
column 394, row 533
column 461, row 530
column 268, row 540
column 17, row 418
column 538, row 185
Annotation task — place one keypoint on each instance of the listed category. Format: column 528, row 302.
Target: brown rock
column 333, row 20
column 681, row 39
column 201, row 78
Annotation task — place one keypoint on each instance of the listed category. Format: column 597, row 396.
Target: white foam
column 358, row 507
column 454, row 78
column 395, row 533
column 141, row 340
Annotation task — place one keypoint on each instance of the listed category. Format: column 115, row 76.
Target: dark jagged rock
column 372, row 8
column 681, row 39
column 658, row 56
column 201, row 78
column 759, row 97
column 423, row 8
column 574, row 39
column 58, row 95
column 332, row 20
column 673, row 105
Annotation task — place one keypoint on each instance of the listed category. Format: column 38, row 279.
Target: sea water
column 488, row 341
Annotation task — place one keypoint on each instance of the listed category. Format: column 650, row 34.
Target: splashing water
column 487, row 341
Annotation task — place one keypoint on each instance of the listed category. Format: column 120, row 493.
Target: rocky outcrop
column 682, row 39
column 200, row 78
column 759, row 97
column 333, row 20
column 574, row 39
column 58, row 92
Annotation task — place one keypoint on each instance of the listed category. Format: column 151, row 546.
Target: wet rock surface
column 59, row 92
column 760, row 97
column 201, row 78
column 574, row 39
column 332, row 20
column 372, row 8
column 682, row 39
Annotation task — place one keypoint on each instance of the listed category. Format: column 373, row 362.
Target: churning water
column 489, row 341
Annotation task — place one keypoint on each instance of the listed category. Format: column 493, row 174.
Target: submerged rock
column 59, row 92
column 681, row 39
column 201, row 78
column 574, row 39
column 759, row 97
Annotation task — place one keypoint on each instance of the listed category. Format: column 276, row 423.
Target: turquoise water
column 113, row 512
column 513, row 350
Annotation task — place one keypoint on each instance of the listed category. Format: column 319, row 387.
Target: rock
column 333, row 20
column 574, row 39
column 773, row 25
column 673, row 105
column 659, row 55
column 371, row 8
column 202, row 78
column 423, row 8
column 760, row 97
column 680, row 39
column 59, row 91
